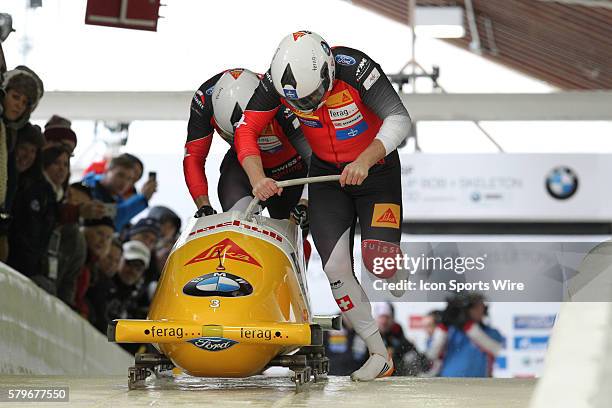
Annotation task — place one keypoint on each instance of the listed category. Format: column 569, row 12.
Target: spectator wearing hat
column 146, row 230
column 407, row 360
column 170, row 228
column 23, row 89
column 125, row 302
column 98, row 236
column 58, row 132
column 35, row 214
column 27, row 149
column 129, row 202
column 22, row 162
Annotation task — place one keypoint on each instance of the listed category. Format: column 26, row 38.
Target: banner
column 506, row 187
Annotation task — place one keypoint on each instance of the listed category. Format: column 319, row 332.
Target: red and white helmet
column 230, row 96
column 303, row 70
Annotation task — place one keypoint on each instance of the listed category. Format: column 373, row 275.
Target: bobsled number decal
column 218, row 284
column 212, row 343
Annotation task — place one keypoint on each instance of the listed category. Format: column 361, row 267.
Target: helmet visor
column 310, row 102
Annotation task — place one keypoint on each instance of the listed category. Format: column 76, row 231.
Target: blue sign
column 501, row 362
column 534, row 321
column 350, row 133
column 531, row 342
column 290, row 93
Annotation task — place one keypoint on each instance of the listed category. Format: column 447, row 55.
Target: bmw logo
column 221, row 284
column 562, row 183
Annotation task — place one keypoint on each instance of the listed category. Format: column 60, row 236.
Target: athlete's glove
column 204, row 211
column 300, row 214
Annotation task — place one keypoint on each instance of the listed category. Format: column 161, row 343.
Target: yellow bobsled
column 232, row 300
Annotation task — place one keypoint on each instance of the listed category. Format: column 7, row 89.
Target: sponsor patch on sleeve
column 371, row 79
column 386, row 215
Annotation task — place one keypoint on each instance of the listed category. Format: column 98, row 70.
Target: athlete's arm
column 379, row 95
column 259, row 112
column 292, row 129
column 199, row 139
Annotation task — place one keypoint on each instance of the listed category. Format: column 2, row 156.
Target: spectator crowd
column 77, row 241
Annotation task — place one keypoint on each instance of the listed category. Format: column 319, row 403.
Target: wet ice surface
column 263, row 391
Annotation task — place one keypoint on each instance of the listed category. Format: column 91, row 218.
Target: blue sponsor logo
column 561, row 183
column 210, row 90
column 290, row 93
column 345, row 60
column 534, row 321
column 311, row 123
column 531, row 342
column 212, row 343
column 222, row 284
column 350, row 133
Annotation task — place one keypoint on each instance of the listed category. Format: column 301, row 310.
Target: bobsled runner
column 232, row 301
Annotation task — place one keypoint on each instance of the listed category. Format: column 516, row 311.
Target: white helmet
column 230, row 97
column 303, row 70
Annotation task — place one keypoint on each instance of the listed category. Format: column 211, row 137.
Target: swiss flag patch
column 345, row 303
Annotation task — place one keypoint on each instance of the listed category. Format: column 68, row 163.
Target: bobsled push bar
column 166, row 331
column 248, row 214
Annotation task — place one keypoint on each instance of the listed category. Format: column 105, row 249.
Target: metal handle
column 248, row 214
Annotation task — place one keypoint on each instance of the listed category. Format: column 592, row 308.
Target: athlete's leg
column 378, row 203
column 234, row 188
column 333, row 218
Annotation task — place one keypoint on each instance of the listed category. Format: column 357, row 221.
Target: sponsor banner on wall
column 506, row 187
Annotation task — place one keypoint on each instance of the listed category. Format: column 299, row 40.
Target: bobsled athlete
column 354, row 120
column 218, row 105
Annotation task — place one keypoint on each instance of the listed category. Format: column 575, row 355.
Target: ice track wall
column 39, row 334
column 578, row 371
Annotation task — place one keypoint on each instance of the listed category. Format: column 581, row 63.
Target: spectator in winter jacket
column 129, row 202
column 35, row 215
column 20, row 92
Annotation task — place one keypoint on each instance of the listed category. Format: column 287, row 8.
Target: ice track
column 263, row 391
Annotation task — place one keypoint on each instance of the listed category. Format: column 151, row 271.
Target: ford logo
column 212, row 343
column 345, row 60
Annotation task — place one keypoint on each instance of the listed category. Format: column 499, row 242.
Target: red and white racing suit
column 280, row 143
column 360, row 104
